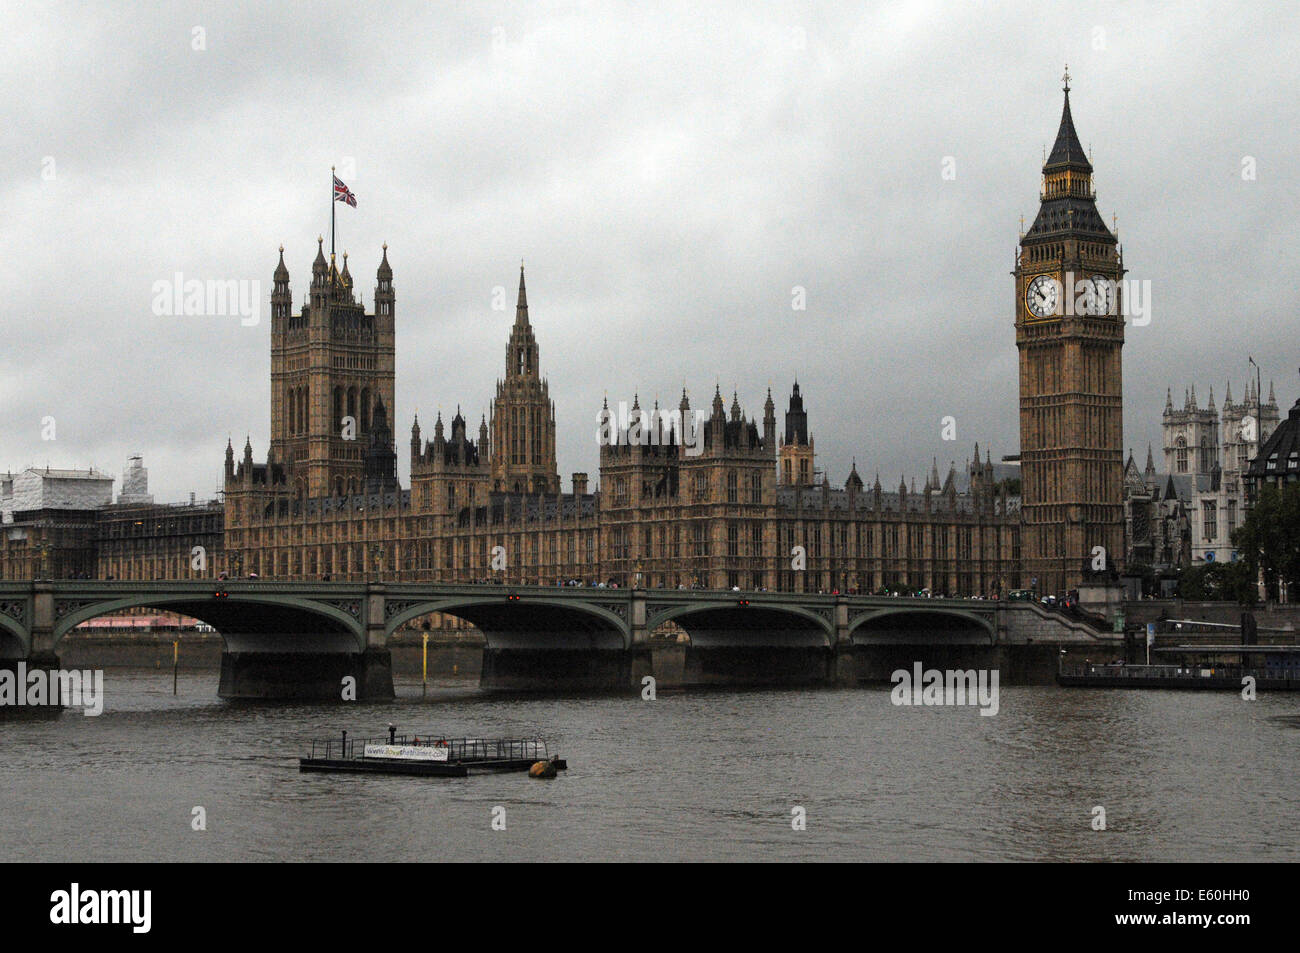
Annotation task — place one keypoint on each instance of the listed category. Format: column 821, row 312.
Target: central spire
column 1068, row 152
column 521, row 308
column 1068, row 201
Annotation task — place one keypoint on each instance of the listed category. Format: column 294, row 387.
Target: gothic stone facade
column 740, row 509
column 1213, row 448
column 718, row 515
column 1185, row 514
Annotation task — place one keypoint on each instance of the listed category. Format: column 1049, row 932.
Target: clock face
column 1103, row 296
column 1042, row 297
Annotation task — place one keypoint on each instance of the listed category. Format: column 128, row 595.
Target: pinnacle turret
column 320, row 267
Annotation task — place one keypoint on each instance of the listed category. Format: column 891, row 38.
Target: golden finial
column 385, row 246
column 1066, row 78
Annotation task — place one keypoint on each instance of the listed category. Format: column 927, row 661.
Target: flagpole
column 332, row 213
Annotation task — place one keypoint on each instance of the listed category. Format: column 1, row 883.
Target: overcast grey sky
column 669, row 172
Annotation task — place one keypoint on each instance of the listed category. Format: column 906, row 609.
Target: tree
column 1232, row 581
column 1269, row 539
column 1239, row 582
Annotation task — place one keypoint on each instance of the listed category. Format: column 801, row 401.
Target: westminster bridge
column 305, row 639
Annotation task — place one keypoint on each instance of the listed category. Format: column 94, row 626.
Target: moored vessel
column 428, row 755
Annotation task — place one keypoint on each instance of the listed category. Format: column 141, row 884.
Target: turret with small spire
column 385, row 300
column 854, row 483
column 797, row 454
column 281, row 297
column 769, row 420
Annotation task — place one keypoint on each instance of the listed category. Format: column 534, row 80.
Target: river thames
column 697, row 775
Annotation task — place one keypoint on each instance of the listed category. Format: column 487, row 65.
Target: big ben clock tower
column 1069, row 331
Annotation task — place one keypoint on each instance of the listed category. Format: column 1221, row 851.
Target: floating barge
column 1200, row 668
column 426, row 755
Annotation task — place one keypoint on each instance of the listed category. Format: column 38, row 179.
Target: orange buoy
column 542, row 769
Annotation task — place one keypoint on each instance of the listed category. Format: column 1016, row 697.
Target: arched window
column 1180, row 454
column 338, row 407
column 364, row 420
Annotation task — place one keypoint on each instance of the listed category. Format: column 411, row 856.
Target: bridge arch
column 15, row 612
column 245, row 621
column 527, row 620
column 15, row 642
column 928, row 625
column 724, row 622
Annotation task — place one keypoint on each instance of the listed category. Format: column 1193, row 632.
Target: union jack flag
column 342, row 193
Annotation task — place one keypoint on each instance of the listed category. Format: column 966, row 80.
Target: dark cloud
column 670, row 175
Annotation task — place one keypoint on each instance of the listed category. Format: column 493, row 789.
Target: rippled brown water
column 698, row 775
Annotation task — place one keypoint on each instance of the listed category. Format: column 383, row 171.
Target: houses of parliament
column 744, row 507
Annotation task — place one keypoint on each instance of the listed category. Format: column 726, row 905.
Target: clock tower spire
column 1069, row 332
